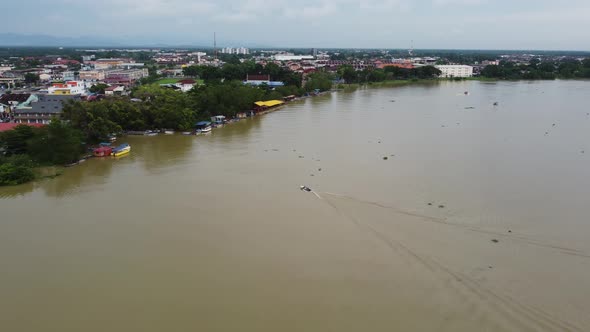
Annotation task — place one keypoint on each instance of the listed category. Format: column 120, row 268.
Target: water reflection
column 86, row 176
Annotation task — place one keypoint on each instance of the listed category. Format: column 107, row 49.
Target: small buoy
column 430, row 204
column 509, row 231
column 385, row 158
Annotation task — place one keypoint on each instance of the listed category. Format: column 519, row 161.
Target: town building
column 398, row 64
column 107, row 63
column 186, row 84
column 114, row 90
column 9, row 101
column 68, row 75
column 41, row 108
column 237, row 50
column 455, row 70
column 92, row 75
column 11, row 125
column 125, row 76
column 260, row 80
column 68, row 88
column 292, row 57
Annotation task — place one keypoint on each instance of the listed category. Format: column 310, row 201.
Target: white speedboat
column 203, row 127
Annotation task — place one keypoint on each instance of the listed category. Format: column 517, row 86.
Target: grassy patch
column 167, row 81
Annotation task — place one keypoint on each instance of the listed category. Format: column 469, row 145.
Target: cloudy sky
column 472, row 24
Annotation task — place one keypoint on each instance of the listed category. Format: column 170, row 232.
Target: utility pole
column 215, row 44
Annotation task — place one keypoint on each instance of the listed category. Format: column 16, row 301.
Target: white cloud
column 458, row 2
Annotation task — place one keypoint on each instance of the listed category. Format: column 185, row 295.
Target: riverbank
column 397, row 83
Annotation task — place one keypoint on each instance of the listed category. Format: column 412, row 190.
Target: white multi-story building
column 237, row 50
column 67, row 88
column 455, row 70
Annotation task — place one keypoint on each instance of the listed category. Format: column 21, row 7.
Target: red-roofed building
column 67, row 62
column 10, row 126
column 405, row 64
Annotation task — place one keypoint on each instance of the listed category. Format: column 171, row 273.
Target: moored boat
column 103, row 151
column 203, row 126
column 169, row 132
column 121, row 150
column 150, row 133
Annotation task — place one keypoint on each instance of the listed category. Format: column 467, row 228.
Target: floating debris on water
column 301, row 157
column 319, row 169
column 305, row 188
column 441, row 206
column 509, row 231
column 469, row 108
column 385, row 158
column 495, row 240
column 430, row 203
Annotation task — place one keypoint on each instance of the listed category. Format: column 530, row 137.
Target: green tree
column 16, row 141
column 348, row 73
column 56, row 143
column 318, row 81
column 31, row 78
column 98, row 88
column 16, row 170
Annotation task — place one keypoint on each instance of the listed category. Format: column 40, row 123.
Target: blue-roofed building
column 257, row 80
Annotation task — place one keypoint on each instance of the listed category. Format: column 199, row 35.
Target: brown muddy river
column 478, row 220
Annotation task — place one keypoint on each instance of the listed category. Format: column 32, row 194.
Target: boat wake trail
column 481, row 301
column 471, row 228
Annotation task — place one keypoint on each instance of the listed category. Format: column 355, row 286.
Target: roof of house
column 269, row 103
column 187, row 81
column 115, row 88
column 18, row 97
column 47, row 104
column 10, row 126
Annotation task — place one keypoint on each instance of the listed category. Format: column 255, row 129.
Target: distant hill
column 13, row 39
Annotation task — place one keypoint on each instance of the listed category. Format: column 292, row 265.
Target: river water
column 477, row 221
